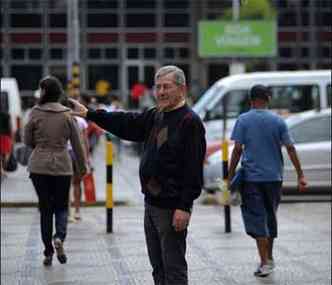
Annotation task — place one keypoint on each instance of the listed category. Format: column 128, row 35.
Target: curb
column 35, row 204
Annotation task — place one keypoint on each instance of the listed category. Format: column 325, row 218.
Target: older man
column 170, row 169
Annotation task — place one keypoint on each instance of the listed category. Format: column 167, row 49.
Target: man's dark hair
column 260, row 92
column 52, row 90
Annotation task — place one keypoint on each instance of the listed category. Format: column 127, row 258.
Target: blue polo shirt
column 262, row 133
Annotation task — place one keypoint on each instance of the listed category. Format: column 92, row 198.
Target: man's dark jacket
column 171, row 167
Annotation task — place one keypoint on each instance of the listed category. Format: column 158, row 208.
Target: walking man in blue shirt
column 259, row 135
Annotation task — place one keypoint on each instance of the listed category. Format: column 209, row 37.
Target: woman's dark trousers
column 53, row 196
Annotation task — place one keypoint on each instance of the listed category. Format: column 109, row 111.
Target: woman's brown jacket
column 47, row 131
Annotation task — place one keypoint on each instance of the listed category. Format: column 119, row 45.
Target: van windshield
column 208, row 100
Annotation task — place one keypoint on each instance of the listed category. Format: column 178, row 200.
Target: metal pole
column 227, row 208
column 69, row 39
column 76, row 31
column 73, row 36
column 109, row 186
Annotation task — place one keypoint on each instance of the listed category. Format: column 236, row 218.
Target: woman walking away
column 47, row 131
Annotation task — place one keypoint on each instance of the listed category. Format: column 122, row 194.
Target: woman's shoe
column 60, row 252
column 77, row 216
column 47, row 260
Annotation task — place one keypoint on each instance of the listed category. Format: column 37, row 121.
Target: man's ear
column 184, row 90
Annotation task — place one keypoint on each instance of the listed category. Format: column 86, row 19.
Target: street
column 302, row 251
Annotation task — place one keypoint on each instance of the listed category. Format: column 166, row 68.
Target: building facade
column 125, row 41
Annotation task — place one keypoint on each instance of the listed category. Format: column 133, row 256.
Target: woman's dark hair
column 52, row 90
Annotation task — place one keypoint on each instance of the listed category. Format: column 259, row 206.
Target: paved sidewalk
column 17, row 189
column 303, row 251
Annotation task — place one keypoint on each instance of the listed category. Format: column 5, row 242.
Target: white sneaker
column 263, row 271
column 71, row 219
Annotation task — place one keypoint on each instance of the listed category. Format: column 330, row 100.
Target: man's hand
column 302, row 184
column 180, row 220
column 79, row 109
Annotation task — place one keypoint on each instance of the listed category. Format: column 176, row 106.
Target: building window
column 56, row 53
column 57, row 4
column 25, row 20
column 146, row 4
column 176, row 20
column 287, row 19
column 184, row 52
column 60, row 72
column 304, row 51
column 17, row 53
column 140, row 20
column 287, row 66
column 176, row 4
column 35, row 53
column 324, row 3
column 132, row 53
column 109, row 73
column 57, row 20
column 325, row 51
column 102, row 4
column 94, row 53
column 149, row 53
column 324, row 19
column 102, row 20
column 28, row 76
column 111, row 53
column 217, row 5
column 169, row 52
column 305, row 19
column 285, row 52
column 19, row 4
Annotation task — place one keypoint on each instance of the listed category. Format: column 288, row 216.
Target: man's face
column 168, row 93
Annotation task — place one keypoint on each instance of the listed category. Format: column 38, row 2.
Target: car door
column 313, row 144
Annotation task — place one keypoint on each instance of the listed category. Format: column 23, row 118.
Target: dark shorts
column 260, row 201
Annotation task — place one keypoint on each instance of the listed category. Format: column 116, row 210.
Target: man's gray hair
column 180, row 78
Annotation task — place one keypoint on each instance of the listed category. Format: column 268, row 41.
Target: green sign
column 237, row 38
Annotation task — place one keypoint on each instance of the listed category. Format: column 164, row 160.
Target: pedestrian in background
column 77, row 178
column 47, row 131
column 259, row 135
column 171, row 169
column 6, row 141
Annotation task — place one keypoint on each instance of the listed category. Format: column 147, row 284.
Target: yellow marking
column 109, row 196
column 224, row 148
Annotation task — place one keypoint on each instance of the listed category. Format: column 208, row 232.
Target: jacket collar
column 52, row 107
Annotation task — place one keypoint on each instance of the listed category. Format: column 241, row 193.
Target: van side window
column 294, row 98
column 4, row 104
column 314, row 130
column 237, row 103
column 329, row 95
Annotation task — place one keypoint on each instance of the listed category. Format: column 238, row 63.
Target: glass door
column 138, row 76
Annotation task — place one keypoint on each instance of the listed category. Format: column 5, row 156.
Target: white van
column 292, row 91
column 10, row 101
